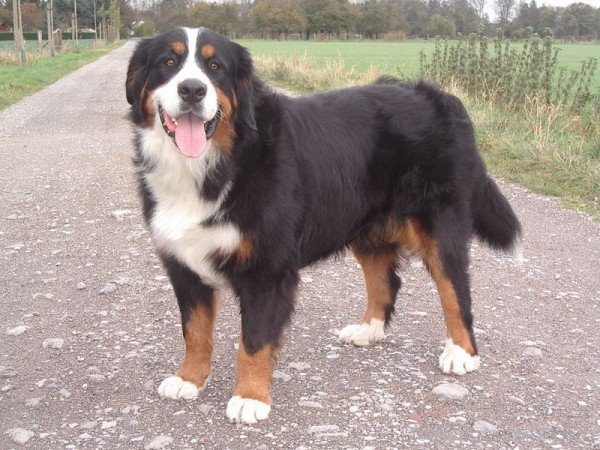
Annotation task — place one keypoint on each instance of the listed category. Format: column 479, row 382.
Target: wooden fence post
column 57, row 38
column 72, row 27
column 50, row 32
column 18, row 32
column 76, row 25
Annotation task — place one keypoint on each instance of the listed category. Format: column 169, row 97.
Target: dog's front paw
column 246, row 410
column 177, row 388
column 455, row 360
column 363, row 334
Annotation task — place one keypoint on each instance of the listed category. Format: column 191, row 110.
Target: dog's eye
column 170, row 63
column 214, row 66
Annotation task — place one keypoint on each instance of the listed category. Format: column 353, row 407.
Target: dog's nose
column 191, row 90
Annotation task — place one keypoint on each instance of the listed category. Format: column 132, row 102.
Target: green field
column 398, row 57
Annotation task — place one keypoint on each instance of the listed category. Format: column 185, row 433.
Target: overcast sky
column 490, row 10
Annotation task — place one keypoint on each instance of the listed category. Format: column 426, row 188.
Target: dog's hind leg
column 266, row 307
column 198, row 305
column 379, row 268
column 445, row 253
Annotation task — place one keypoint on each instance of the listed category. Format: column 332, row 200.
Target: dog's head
column 196, row 84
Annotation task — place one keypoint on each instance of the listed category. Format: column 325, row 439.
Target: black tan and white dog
column 242, row 187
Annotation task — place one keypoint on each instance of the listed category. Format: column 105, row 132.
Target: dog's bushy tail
column 495, row 222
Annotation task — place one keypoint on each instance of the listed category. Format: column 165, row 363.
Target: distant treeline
column 393, row 19
column 322, row 19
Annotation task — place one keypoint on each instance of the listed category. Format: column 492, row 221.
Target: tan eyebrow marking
column 178, row 47
column 208, row 51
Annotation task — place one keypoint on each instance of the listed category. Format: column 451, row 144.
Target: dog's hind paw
column 246, row 410
column 363, row 334
column 177, row 388
column 455, row 360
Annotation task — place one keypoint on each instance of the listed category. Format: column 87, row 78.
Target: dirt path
column 89, row 323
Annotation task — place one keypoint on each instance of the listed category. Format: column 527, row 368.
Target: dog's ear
column 244, row 87
column 136, row 73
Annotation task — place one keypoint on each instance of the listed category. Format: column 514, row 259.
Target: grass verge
column 17, row 82
column 542, row 147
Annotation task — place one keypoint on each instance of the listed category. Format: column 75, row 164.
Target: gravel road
column 89, row 324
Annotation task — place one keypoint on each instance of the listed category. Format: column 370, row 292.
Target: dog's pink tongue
column 190, row 136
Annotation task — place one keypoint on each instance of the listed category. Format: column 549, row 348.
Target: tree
column 479, row 6
column 330, row 16
column 416, row 16
column 394, row 14
column 6, row 14
column 198, row 15
column 372, row 19
column 223, row 17
column 462, row 14
column 548, row 18
column 171, row 14
column 582, row 20
column 434, row 6
column 504, row 9
column 277, row 16
column 534, row 17
column 527, row 16
column 243, row 10
column 32, row 17
column 440, row 26
column 148, row 28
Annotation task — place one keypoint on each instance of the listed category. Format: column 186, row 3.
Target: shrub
column 509, row 76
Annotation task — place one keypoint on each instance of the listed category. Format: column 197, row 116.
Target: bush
column 145, row 29
column 508, row 76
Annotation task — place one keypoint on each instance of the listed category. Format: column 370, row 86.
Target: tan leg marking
column 198, row 336
column 454, row 324
column 254, row 373
column 376, row 262
column 376, row 269
column 195, row 368
column 413, row 237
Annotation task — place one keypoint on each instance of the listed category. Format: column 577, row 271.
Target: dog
column 242, row 187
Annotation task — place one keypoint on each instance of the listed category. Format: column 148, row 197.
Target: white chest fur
column 177, row 221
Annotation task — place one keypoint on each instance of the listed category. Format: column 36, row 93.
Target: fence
column 33, row 35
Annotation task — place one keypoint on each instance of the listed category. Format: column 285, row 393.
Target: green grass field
column 17, row 82
column 395, row 57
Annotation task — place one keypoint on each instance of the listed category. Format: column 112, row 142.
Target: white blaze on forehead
column 167, row 95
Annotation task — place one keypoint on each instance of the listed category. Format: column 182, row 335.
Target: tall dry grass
column 305, row 75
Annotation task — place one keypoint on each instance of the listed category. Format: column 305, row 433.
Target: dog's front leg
column 198, row 307
column 265, row 312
